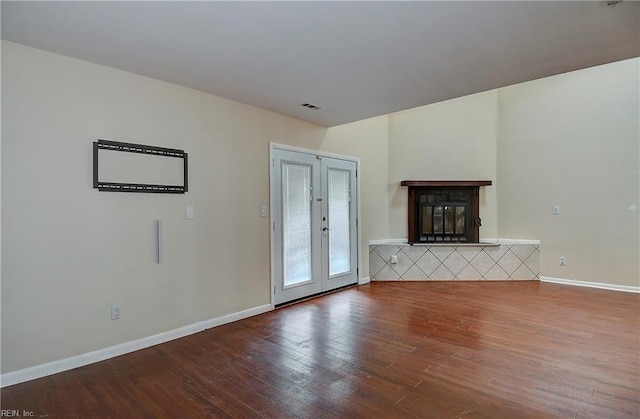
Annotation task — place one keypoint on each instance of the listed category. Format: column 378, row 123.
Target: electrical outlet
column 189, row 213
column 563, row 261
column 115, row 312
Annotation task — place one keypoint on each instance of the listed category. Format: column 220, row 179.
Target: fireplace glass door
column 444, row 215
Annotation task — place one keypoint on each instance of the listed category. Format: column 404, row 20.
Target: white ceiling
column 353, row 59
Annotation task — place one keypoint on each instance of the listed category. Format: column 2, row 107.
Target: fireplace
column 444, row 211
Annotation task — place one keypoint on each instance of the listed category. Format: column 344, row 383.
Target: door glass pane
column 339, row 237
column 296, row 223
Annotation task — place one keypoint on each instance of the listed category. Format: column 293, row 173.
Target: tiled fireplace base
column 485, row 261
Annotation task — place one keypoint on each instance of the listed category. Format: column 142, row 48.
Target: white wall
column 69, row 251
column 573, row 140
column 452, row 140
column 570, row 140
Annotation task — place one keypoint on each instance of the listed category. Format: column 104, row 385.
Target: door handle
column 325, row 229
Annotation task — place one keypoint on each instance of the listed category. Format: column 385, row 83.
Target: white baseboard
column 54, row 367
column 364, row 280
column 601, row 285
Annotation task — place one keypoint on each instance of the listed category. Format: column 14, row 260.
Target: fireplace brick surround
column 443, row 242
column 500, row 260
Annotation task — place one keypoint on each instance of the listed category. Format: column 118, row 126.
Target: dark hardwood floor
column 384, row 350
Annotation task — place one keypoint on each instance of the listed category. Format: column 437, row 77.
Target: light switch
column 263, row 210
column 556, row 210
column 189, row 213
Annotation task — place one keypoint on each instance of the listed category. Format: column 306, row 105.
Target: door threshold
column 309, row 297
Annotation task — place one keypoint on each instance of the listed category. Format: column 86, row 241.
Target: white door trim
column 276, row 146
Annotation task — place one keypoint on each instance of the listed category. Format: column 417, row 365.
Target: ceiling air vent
column 311, row 106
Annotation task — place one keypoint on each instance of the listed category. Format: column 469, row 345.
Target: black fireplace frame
column 421, row 187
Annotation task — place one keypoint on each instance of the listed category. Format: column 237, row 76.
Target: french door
column 314, row 201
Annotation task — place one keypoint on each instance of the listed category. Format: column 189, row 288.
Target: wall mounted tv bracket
column 143, row 149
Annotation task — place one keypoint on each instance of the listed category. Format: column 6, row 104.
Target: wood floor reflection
column 384, row 350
